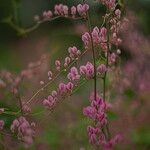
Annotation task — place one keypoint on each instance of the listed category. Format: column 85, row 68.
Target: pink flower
column 73, row 74
column 67, row 61
column 90, row 112
column 82, row 9
column 95, row 35
column 2, row 110
column 101, row 69
column 69, row 86
column 62, row 88
column 61, row 10
column 86, row 38
column 73, row 11
column 118, row 13
column 87, row 70
column 26, row 108
column 74, row 52
column 65, row 10
column 49, row 102
column 58, row 65
column 23, row 129
column 2, row 123
column 47, row 14
column 112, row 58
column 50, row 74
column 54, row 94
column 93, row 134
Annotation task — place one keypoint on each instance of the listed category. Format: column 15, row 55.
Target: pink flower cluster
column 50, row 101
column 101, row 69
column 64, row 10
column 58, row 65
column 26, row 108
column 2, row 123
column 87, row 71
column 74, row 52
column 23, row 129
column 97, row 110
column 96, row 137
column 108, row 145
column 99, row 37
column 111, row 4
column 73, row 75
column 62, row 90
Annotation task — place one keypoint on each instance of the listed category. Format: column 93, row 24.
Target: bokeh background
column 65, row 128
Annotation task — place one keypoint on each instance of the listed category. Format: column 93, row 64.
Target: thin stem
column 22, row 31
column 50, row 82
column 20, row 104
column 93, row 53
column 105, row 75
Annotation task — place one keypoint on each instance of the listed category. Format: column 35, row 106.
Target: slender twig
column 50, row 82
column 105, row 75
column 22, row 31
column 93, row 53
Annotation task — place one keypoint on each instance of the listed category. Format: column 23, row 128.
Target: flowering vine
column 103, row 38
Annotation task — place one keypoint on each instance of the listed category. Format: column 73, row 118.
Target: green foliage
column 142, row 137
column 111, row 115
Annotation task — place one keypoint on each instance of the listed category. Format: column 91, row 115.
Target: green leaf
column 111, row 115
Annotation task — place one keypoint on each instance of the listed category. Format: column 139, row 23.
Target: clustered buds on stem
column 64, row 11
column 24, row 130
column 100, row 37
column 97, row 112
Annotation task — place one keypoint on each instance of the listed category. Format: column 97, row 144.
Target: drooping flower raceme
column 23, row 129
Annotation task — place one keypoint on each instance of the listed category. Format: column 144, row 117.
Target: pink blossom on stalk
column 47, row 14
column 112, row 58
column 26, row 108
column 67, row 61
column 108, row 145
column 109, row 3
column 61, row 10
column 82, row 9
column 73, row 74
column 96, row 110
column 65, row 10
column 74, row 52
column 118, row 13
column 73, row 11
column 69, row 86
column 58, row 9
column 2, row 124
column 2, row 110
column 23, row 129
column 87, row 70
column 90, row 112
column 103, row 34
column 42, row 82
column 62, row 88
column 54, row 94
column 58, row 65
column 101, row 69
column 95, row 35
column 49, row 102
column 36, row 18
column 86, row 38
column 93, row 134
column 50, row 74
